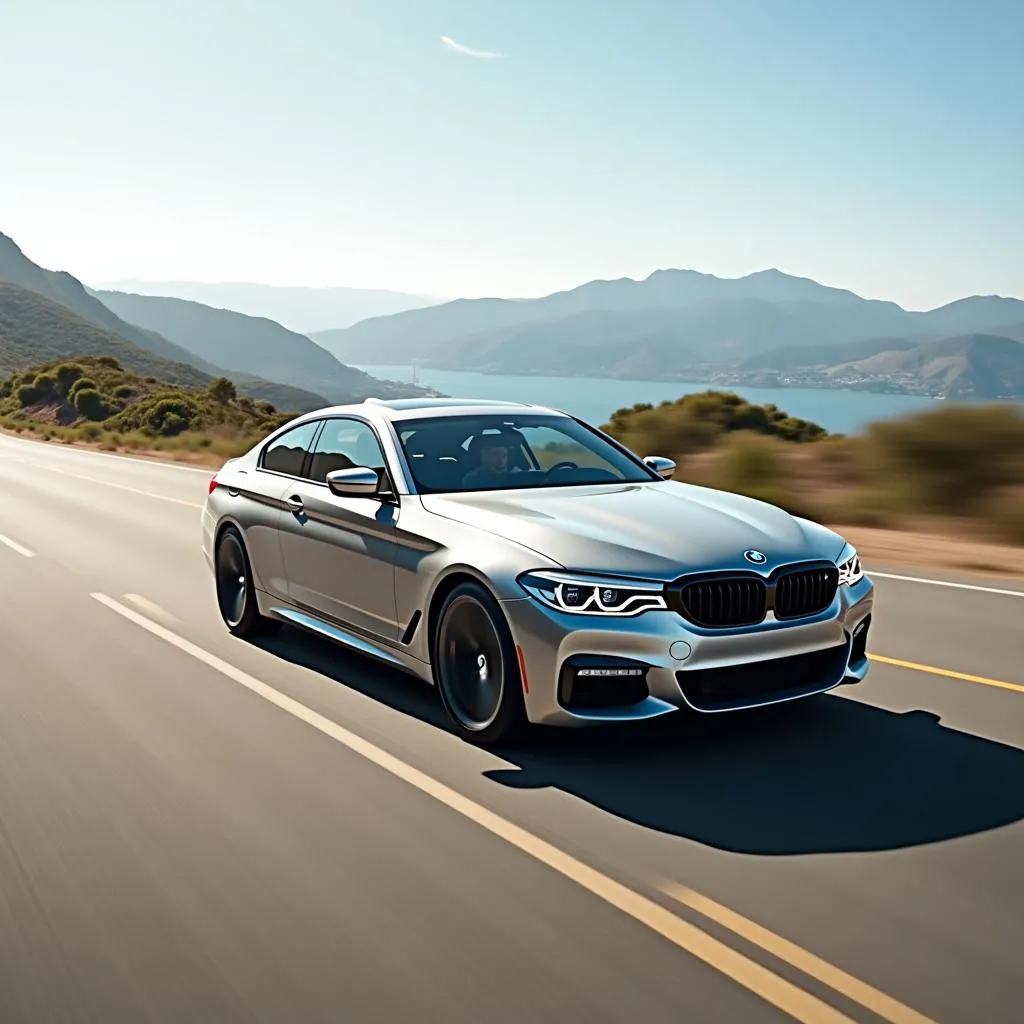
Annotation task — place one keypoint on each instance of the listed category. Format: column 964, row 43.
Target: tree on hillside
column 222, row 390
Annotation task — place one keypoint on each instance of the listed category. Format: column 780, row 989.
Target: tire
column 236, row 592
column 476, row 668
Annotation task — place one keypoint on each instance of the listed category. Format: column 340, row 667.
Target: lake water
column 595, row 399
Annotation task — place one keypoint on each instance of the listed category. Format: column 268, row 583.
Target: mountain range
column 684, row 325
column 298, row 309
column 243, row 343
column 263, row 359
column 768, row 328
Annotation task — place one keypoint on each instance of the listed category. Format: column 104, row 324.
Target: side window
column 286, row 453
column 343, row 444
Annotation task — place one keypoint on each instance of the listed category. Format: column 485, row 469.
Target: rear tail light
column 213, row 485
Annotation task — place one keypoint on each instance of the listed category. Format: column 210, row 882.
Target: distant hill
column 963, row 367
column 246, row 343
column 59, row 286
column 35, row 329
column 1015, row 331
column 670, row 321
column 299, row 309
column 797, row 357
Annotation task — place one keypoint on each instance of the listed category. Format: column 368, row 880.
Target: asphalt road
column 196, row 828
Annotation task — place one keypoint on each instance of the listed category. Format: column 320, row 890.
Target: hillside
column 34, row 329
column 97, row 394
column 59, row 286
column 298, row 309
column 964, row 367
column 16, row 268
column 795, row 357
column 248, row 344
column 667, row 323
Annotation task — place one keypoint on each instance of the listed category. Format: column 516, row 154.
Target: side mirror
column 357, row 482
column 665, row 468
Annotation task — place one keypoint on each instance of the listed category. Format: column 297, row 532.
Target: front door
column 339, row 553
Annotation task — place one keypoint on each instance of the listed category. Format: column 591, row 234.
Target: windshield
column 495, row 452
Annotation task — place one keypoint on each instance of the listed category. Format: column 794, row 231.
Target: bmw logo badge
column 757, row 557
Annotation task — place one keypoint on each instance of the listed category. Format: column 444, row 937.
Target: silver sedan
column 530, row 566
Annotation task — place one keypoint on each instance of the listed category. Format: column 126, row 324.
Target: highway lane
column 879, row 830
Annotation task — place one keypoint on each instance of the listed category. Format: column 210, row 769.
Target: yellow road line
column 853, row 988
column 948, row 672
column 791, row 999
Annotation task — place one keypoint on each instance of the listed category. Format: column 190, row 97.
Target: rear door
column 339, row 552
column 281, row 463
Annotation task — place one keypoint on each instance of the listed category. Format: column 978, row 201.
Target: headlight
column 581, row 594
column 850, row 571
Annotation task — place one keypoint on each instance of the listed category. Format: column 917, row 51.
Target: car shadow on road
column 821, row 775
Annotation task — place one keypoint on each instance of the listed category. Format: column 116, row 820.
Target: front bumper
column 685, row 666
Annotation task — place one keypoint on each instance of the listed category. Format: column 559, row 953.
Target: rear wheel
column 476, row 667
column 236, row 592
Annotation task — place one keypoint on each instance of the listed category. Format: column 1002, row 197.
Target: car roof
column 397, row 409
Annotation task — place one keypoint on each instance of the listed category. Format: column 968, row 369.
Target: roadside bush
column 90, row 431
column 91, row 404
column 46, row 385
column 948, row 461
column 168, row 416
column 756, row 466
column 696, row 422
column 67, row 374
column 81, row 384
column 27, row 395
column 222, row 390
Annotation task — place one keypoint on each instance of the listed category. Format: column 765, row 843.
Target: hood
column 658, row 529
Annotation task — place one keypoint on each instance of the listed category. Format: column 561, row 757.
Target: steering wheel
column 561, row 465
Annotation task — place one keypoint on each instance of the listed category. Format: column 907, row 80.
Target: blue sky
column 875, row 145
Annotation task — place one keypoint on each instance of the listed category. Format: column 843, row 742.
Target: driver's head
column 494, row 455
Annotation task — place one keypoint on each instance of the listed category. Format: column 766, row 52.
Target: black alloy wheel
column 236, row 592
column 476, row 667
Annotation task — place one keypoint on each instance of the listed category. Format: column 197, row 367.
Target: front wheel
column 236, row 592
column 476, row 667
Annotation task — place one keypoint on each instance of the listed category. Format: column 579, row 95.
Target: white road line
column 151, row 608
column 68, row 449
column 134, row 491
column 773, row 988
column 946, row 583
column 15, row 546
column 108, row 483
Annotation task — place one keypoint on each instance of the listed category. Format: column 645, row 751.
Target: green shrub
column 27, row 395
column 695, row 423
column 109, row 361
column 222, row 390
column 45, row 384
column 91, row 404
column 169, row 416
column 89, row 431
column 81, row 384
column 67, row 374
column 750, row 460
column 950, row 460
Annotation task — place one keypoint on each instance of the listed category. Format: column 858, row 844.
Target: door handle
column 294, row 503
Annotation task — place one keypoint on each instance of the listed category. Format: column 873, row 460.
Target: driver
column 492, row 453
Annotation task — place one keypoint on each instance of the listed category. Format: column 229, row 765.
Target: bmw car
column 530, row 566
